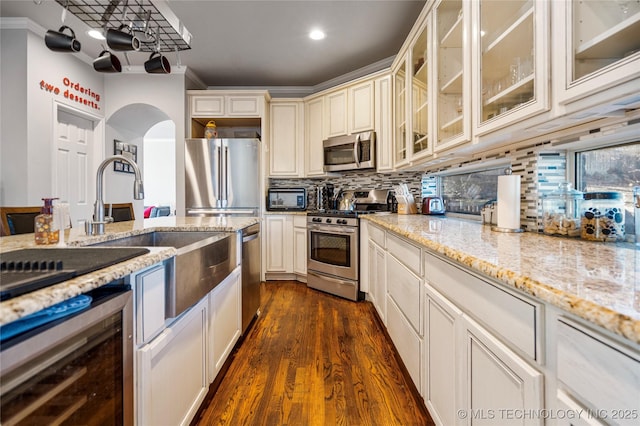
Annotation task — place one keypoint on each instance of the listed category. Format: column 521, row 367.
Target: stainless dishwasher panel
column 250, row 274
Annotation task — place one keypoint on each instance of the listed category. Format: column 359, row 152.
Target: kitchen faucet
column 96, row 226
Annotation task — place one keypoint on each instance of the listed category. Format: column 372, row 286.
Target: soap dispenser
column 46, row 230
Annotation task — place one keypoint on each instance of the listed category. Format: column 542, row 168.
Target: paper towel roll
column 509, row 202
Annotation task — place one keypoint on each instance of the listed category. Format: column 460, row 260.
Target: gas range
column 364, row 201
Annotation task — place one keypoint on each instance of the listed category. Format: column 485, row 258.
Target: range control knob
column 328, row 220
column 316, row 219
column 342, row 221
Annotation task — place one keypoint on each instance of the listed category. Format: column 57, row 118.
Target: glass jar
column 603, row 216
column 210, row 130
column 561, row 211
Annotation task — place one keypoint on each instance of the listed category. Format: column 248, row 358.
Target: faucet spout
column 96, row 227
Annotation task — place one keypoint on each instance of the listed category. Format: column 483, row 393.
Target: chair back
column 121, row 212
column 18, row 220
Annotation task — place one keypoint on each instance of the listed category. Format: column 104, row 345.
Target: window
column 613, row 168
column 467, row 192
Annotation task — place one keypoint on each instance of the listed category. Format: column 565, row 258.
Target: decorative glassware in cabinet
column 449, row 33
column 400, row 113
column 604, row 32
column 507, row 56
column 419, row 94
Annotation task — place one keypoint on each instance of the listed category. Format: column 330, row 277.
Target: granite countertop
column 29, row 303
column 599, row 282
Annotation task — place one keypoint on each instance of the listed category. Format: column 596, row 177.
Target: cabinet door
column 442, row 353
column 451, row 69
column 150, row 302
column 377, row 279
column 207, row 106
column 383, row 124
column 225, row 321
column 287, row 141
column 314, row 128
column 400, row 99
column 361, row 107
column 421, row 144
column 499, row 382
column 279, row 243
column 244, row 106
column 300, row 246
column 171, row 371
column 510, row 61
column 406, row 341
column 596, row 49
column 336, row 113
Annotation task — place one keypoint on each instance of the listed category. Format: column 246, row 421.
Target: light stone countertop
column 29, row 303
column 599, row 282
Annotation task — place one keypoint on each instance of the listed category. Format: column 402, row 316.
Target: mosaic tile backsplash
column 541, row 171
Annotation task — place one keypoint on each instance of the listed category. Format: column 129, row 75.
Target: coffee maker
column 324, row 197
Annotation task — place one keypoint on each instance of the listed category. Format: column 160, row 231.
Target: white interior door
column 72, row 163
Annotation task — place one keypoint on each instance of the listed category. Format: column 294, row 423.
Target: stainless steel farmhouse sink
column 204, row 260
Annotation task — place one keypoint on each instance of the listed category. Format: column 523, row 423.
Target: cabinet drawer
column 512, row 317
column 405, row 251
column 299, row 221
column 405, row 288
column 377, row 235
column 407, row 342
column 150, row 303
column 599, row 373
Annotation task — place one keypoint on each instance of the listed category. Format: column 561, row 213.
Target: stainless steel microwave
column 286, row 199
column 350, row 152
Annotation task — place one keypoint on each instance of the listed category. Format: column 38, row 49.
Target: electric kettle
column 432, row 205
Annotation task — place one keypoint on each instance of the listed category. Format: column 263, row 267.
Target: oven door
column 333, row 250
column 77, row 371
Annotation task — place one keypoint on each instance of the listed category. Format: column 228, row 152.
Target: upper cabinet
column 286, row 138
column 336, row 104
column 451, row 67
column 400, row 114
column 314, row 135
column 510, row 57
column 350, row 110
column 420, row 103
column 598, row 49
column 205, row 104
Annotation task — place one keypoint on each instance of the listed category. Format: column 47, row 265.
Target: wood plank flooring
column 314, row 359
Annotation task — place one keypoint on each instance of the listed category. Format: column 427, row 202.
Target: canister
column 603, row 216
column 561, row 210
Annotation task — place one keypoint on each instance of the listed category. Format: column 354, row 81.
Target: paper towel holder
column 495, row 228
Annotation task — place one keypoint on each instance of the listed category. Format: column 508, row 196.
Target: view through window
column 615, row 168
column 466, row 193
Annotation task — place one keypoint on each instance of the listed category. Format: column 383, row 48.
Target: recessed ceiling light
column 97, row 34
column 316, row 35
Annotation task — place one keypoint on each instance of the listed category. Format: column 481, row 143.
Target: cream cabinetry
column 510, row 62
column 596, row 55
column 225, row 321
column 596, row 375
column 336, row 113
column 286, row 151
column 361, row 107
column 300, row 245
column 158, row 370
column 452, row 76
column 150, row 300
column 383, row 120
column 315, row 134
column 401, row 153
column 285, row 246
column 376, row 278
column 205, row 103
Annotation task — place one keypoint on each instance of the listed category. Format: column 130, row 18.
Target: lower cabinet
column 442, row 362
column 499, row 386
column 285, row 246
column 377, row 279
column 172, row 370
column 225, row 320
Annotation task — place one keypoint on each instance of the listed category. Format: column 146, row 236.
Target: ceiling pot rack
column 145, row 16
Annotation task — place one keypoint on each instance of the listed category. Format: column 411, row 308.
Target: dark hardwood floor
column 314, row 359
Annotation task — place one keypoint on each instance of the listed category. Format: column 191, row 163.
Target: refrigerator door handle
column 219, row 195
column 226, row 176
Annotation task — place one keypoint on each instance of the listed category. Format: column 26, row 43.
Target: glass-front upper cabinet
column 400, row 113
column 421, row 138
column 601, row 46
column 452, row 78
column 510, row 55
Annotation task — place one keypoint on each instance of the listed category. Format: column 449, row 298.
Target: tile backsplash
column 541, row 170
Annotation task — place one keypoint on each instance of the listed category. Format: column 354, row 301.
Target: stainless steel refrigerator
column 222, row 177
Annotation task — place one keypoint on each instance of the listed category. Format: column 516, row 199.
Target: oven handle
column 340, row 230
column 334, row 280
